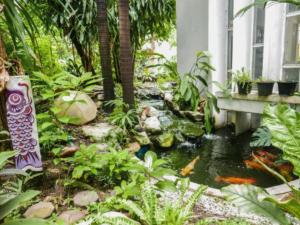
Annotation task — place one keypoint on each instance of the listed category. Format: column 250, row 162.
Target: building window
column 291, row 60
column 258, row 41
column 230, row 38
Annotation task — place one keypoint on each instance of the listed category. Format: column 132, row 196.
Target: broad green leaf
column 284, row 124
column 16, row 202
column 249, row 199
column 291, row 206
column 27, row 222
column 4, row 156
column 261, row 138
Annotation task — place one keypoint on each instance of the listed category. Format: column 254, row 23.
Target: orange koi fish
column 235, row 180
column 189, row 168
column 251, row 164
column 267, row 155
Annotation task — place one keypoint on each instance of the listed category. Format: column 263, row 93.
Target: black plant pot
column 244, row 88
column 265, row 88
column 287, row 88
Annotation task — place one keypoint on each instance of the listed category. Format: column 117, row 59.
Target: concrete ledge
column 253, row 103
column 283, row 188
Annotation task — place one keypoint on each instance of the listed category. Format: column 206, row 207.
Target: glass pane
column 291, row 74
column 292, row 42
column 229, row 54
column 257, row 62
column 259, row 25
column 293, row 8
column 230, row 13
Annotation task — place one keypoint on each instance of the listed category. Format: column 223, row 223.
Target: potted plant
column 243, row 80
column 287, row 88
column 264, row 87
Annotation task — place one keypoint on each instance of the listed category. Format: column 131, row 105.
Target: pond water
column 221, row 154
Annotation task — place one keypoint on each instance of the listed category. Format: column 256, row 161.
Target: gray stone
column 166, row 140
column 133, row 147
column 72, row 216
column 85, row 198
column 152, row 125
column 100, row 131
column 40, row 210
column 102, row 147
column 142, row 138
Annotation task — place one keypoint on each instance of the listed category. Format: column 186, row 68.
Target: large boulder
column 100, row 131
column 152, row 125
column 166, row 140
column 40, row 210
column 77, row 106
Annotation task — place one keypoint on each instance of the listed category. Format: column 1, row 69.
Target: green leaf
column 16, row 202
column 249, row 199
column 4, row 156
column 27, row 222
column 284, row 124
column 166, row 186
column 261, row 138
column 291, row 206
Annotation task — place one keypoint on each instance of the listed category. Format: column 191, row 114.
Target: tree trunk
column 126, row 54
column 3, row 121
column 84, row 56
column 105, row 54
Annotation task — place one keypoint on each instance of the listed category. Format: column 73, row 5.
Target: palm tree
column 104, row 44
column 264, row 4
column 126, row 58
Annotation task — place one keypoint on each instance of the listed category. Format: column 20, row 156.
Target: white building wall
column 192, row 31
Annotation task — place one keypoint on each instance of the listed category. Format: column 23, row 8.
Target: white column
column 242, row 54
column 274, row 41
column 217, row 33
column 242, row 36
column 192, row 31
column 217, row 36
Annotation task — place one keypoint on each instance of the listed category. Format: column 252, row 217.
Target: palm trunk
column 105, row 54
column 126, row 54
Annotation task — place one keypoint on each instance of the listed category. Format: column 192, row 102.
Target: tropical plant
column 284, row 125
column 261, row 138
column 241, row 77
column 122, row 116
column 151, row 211
column 10, row 199
column 250, row 199
column 223, row 222
column 264, row 3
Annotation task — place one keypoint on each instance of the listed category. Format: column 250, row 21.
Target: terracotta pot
column 21, row 119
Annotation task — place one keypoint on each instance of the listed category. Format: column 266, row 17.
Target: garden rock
column 40, row 210
column 149, row 111
column 102, row 147
column 69, row 151
column 78, row 106
column 166, row 140
column 189, row 129
column 142, row 138
column 133, row 147
column 194, row 116
column 72, row 216
column 100, row 131
column 152, row 125
column 85, row 198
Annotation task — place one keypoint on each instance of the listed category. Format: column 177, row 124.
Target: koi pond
column 221, row 160
column 218, row 159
